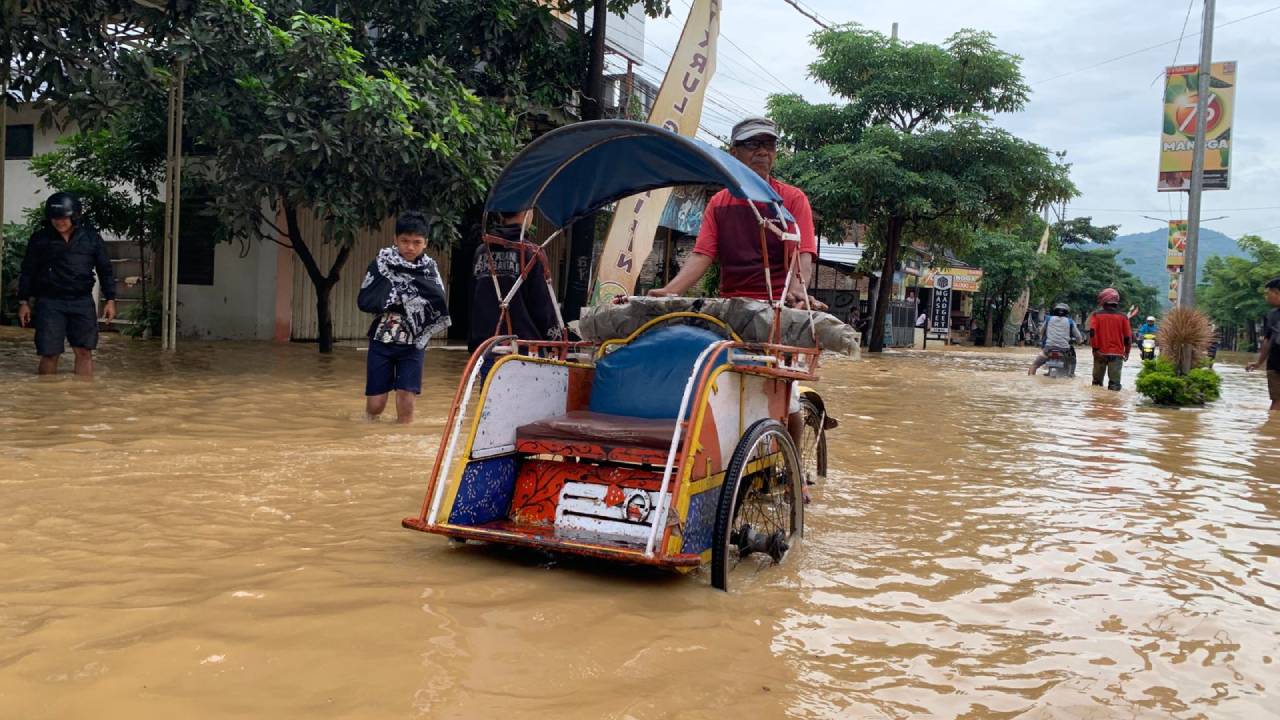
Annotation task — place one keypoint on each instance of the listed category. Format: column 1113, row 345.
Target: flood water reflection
column 216, row 534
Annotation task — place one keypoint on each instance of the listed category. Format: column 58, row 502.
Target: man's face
column 757, row 153
column 1273, row 297
column 411, row 246
column 62, row 224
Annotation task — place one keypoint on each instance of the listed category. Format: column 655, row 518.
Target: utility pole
column 1187, row 292
column 582, row 238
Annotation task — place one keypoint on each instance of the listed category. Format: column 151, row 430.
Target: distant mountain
column 1147, row 250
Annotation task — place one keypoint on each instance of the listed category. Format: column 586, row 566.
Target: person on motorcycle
column 1111, row 336
column 1059, row 334
column 1149, row 327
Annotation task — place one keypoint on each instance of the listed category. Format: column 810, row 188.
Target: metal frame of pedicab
column 773, row 363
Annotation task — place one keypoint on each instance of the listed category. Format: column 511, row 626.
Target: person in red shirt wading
column 730, row 234
column 1111, row 338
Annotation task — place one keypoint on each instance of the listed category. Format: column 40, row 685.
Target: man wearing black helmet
column 55, row 288
column 1059, row 334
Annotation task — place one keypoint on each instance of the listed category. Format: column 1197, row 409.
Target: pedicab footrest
column 599, row 436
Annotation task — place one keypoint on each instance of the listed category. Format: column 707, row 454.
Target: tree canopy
column 1230, row 291
column 911, row 151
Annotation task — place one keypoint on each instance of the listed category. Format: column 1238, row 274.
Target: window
column 19, row 142
column 196, row 243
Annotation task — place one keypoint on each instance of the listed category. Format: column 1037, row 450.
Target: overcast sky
column 1106, row 117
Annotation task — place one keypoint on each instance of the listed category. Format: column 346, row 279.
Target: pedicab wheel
column 813, row 442
column 761, row 511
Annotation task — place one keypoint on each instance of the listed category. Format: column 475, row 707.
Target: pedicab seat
column 635, row 399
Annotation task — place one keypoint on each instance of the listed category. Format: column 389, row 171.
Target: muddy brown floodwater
column 216, row 535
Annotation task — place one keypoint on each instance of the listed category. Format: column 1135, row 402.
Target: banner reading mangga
column 1177, row 140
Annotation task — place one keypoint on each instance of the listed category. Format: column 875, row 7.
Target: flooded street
column 217, row 535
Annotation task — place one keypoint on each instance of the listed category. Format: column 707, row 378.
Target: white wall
column 22, row 189
column 240, row 305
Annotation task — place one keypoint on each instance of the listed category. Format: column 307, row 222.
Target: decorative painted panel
column 484, row 494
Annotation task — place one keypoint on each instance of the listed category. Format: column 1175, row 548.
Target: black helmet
column 62, row 205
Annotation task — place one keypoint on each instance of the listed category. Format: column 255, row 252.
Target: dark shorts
column 65, row 320
column 393, row 367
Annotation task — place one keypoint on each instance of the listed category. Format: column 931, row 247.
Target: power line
column 1191, row 4
column 1135, row 210
column 807, row 14
column 1149, row 48
column 748, row 56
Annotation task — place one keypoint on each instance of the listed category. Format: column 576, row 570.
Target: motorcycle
column 1060, row 363
column 1147, row 345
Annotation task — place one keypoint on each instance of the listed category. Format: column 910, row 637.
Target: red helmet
column 1108, row 296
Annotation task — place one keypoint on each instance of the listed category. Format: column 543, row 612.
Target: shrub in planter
column 1160, row 381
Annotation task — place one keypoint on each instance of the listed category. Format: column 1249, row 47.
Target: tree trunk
column 892, row 246
column 322, row 283
column 991, row 322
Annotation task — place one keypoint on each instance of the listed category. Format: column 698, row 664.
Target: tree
column 295, row 120
column 1231, row 287
column 911, row 152
column 1007, row 258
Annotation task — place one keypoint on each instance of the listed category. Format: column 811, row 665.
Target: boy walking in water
column 403, row 290
column 1111, row 337
column 1268, row 353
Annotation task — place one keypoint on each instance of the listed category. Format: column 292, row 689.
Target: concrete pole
column 4, row 161
column 166, row 280
column 177, row 201
column 1187, row 293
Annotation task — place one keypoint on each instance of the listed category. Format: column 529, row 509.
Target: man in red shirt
column 731, row 234
column 1111, row 337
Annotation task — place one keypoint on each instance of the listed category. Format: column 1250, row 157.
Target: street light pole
column 1187, row 292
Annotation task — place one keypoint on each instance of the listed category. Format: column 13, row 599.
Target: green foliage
column 1160, row 381
column 1007, row 259
column 1076, row 269
column 293, row 114
column 144, row 317
column 15, row 246
column 116, row 172
column 1082, row 231
column 1231, row 288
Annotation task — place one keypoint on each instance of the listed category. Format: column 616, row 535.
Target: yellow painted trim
column 685, row 496
column 454, row 482
column 664, row 318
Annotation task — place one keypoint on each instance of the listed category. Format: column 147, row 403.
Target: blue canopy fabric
column 576, row 169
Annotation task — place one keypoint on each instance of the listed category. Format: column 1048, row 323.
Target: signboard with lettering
column 940, row 314
column 1181, row 90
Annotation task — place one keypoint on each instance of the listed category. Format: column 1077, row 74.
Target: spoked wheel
column 813, row 442
column 761, row 513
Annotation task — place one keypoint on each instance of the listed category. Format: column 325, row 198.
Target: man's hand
column 798, row 301
column 24, row 315
column 662, row 292
column 1252, row 366
column 109, row 311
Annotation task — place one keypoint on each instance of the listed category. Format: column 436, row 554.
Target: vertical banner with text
column 1175, row 255
column 678, row 108
column 1177, row 139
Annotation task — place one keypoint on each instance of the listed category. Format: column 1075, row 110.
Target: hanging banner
column 678, row 108
column 1177, row 246
column 1174, row 279
column 1181, row 89
column 962, row 279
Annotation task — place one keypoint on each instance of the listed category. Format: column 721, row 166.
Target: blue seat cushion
column 646, row 377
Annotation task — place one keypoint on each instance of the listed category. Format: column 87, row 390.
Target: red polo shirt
column 731, row 235
column 1110, row 333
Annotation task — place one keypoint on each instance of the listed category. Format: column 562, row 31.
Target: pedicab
column 661, row 438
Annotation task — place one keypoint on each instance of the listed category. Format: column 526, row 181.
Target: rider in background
column 1148, row 327
column 1111, row 336
column 1060, row 334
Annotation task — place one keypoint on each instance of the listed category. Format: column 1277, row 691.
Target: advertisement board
column 1177, row 139
column 1175, row 255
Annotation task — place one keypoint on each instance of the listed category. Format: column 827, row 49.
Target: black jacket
column 533, row 313
column 54, row 267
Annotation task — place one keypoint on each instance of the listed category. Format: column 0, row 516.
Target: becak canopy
column 576, row 169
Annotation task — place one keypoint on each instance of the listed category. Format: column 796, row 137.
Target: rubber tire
column 729, row 495
column 810, row 411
